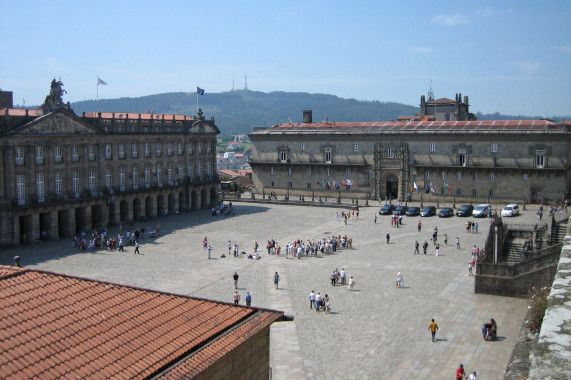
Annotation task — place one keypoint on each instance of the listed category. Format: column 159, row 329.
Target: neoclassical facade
column 471, row 160
column 63, row 173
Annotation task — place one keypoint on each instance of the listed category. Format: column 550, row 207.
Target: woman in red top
column 460, row 374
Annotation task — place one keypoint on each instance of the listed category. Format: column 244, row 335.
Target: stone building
column 453, row 156
column 63, row 173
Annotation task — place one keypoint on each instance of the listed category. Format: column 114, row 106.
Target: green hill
column 236, row 112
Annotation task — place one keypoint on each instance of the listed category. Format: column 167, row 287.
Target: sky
column 512, row 57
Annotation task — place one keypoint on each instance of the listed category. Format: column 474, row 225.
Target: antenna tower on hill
column 245, row 82
column 430, row 92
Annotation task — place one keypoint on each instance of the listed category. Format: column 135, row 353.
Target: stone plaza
column 376, row 331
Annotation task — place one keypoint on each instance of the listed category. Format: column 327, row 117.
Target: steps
column 559, row 232
column 513, row 250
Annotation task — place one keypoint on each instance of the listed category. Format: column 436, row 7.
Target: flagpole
column 97, row 85
column 197, row 103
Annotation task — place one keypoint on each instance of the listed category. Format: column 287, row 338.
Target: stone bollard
column 17, row 261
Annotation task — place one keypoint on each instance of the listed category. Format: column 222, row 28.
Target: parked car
column 446, row 212
column 401, row 210
column 413, row 211
column 481, row 211
column 387, row 210
column 465, row 210
column 510, row 210
column 428, row 211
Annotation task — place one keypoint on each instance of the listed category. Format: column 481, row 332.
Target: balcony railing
column 58, row 159
column 39, row 160
column 20, row 161
column 75, row 157
column 135, row 154
column 121, row 155
column 91, row 156
column 108, row 156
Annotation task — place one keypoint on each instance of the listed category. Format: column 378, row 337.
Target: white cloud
column 446, row 20
column 527, row 67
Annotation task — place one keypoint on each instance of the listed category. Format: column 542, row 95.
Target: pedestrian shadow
column 441, row 340
column 354, row 290
column 332, row 312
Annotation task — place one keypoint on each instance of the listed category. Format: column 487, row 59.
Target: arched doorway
column 161, row 209
column 213, row 195
column 392, row 186
column 193, row 200
column 171, row 203
column 203, row 199
column 149, row 207
column 124, row 211
column 182, row 201
column 137, row 209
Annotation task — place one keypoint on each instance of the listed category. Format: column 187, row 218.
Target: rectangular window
column 159, row 152
column 21, row 189
column 92, row 181
column 147, row 150
column 272, row 184
column 444, row 176
column 459, row 176
column 302, row 146
column 169, row 175
column 355, row 147
column 458, row 191
column 58, row 154
column 200, row 170
column 272, row 170
column 190, row 148
column 289, row 171
column 147, row 177
column 91, row 152
column 179, row 148
column 308, row 172
column 209, row 169
column 525, row 176
column 121, row 151
column 391, row 153
column 461, row 160
column 108, row 179
column 290, row 184
column 169, row 149
column 328, row 172
column 19, row 155
column 75, row 184
column 492, row 177
column 159, row 175
column 58, row 184
column 494, row 148
column 40, row 189
column 540, row 159
column 122, row 179
column 309, row 185
column 135, row 150
column 427, row 175
column 348, row 173
column 327, row 157
column 283, row 157
column 432, row 147
column 475, row 176
column 200, row 149
column 208, row 148
column 75, row 153
column 108, row 152
column 474, row 192
column 189, row 170
column 135, row 179
column 180, row 171
column 491, row 192
column 39, row 155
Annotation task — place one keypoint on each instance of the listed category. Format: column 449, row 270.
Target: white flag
column 101, row 81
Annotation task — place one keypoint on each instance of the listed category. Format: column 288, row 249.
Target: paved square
column 374, row 332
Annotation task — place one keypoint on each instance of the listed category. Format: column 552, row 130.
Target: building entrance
column 392, row 186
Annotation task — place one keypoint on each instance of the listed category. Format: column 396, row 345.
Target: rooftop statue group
column 54, row 99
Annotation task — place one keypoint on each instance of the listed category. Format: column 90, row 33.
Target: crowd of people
column 99, row 239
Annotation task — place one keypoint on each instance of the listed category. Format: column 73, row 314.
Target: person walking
column 236, row 280
column 236, row 298
column 473, row 376
column 334, row 277
column 375, row 218
column 460, row 374
column 209, row 250
column 351, row 283
column 388, row 237
column 470, row 268
column 343, row 275
column 326, row 304
column 248, row 299
column 457, row 243
column 419, row 226
column 311, row 299
column 425, row 246
column 433, row 327
column 416, row 245
column 276, row 280
column 137, row 248
column 400, row 280
column 445, row 239
column 317, row 301
column 437, row 249
column 229, row 247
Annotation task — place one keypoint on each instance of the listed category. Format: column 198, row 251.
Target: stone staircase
column 513, row 249
column 559, row 232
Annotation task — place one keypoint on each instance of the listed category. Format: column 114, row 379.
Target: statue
column 54, row 99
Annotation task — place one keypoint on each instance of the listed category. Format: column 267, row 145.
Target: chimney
column 307, row 116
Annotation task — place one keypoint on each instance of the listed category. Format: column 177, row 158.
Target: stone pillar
column 15, row 230
column 153, row 206
column 34, row 233
column 176, row 208
column 52, row 226
column 199, row 200
column 66, row 220
column 87, row 220
column 113, row 212
column 140, row 208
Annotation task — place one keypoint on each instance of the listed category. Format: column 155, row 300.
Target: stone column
column 114, row 213
column 66, row 219
column 15, row 230
column 34, row 233
column 52, row 226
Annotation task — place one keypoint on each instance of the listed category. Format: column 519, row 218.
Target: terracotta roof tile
column 63, row 326
column 136, row 116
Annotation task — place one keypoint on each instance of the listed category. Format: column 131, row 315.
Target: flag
column 101, row 81
column 415, row 186
column 349, row 182
column 426, row 187
column 199, row 91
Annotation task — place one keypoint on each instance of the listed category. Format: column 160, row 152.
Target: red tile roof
column 136, row 116
column 20, row 112
column 441, row 101
column 63, row 326
column 540, row 126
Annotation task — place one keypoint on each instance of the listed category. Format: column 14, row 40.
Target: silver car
column 482, row 211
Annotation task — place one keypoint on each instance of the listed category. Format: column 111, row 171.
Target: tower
column 430, row 92
column 245, row 82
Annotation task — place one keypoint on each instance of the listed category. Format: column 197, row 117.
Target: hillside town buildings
column 64, row 174
column 443, row 153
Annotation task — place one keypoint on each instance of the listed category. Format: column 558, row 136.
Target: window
column 290, row 184
column 208, row 148
column 122, row 179
column 283, row 157
column 92, row 181
column 475, row 176
column 19, row 155
column 461, row 160
column 39, row 155
column 491, row 192
column 458, row 191
column 180, row 171
column 348, row 173
column 147, row 177
column 158, row 146
column 169, row 149
column 525, row 176
column 327, row 157
column 272, row 170
column 494, row 148
column 474, row 192
column 444, row 176
column 302, row 146
column 200, row 170
column 492, row 177
column 75, row 153
column 169, row 175
column 309, row 185
column 391, row 153
column 147, row 150
column 200, row 149
column 190, row 148
column 58, row 154
column 432, row 147
column 135, row 179
column 108, row 179
column 308, row 172
column 459, row 176
column 355, row 147
column 289, row 171
column 209, row 169
column 189, row 170
column 540, row 159
column 108, row 152
column 58, row 188
column 179, row 148
column 121, row 151
column 75, row 183
column 272, row 184
column 91, row 153
column 328, row 172
column 135, row 151
column 40, row 189
column 427, row 175
column 21, row 189
column 159, row 175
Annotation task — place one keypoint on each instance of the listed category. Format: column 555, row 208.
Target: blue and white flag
column 199, row 90
column 101, row 81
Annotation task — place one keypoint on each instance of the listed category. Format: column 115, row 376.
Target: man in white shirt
column 311, row 299
column 342, row 274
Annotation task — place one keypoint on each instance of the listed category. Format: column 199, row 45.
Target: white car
column 510, row 210
column 481, row 211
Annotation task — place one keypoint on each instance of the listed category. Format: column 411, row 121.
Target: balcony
column 108, row 156
column 169, row 153
column 147, row 154
column 20, row 161
column 39, row 160
column 135, row 154
column 75, row 157
column 121, row 155
column 91, row 156
column 58, row 159
column 159, row 153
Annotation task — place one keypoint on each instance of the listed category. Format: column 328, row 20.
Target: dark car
column 413, row 211
column 446, row 212
column 387, row 210
column 401, row 210
column 428, row 211
column 465, row 210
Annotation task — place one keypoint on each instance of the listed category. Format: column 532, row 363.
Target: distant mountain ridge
column 236, row 112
